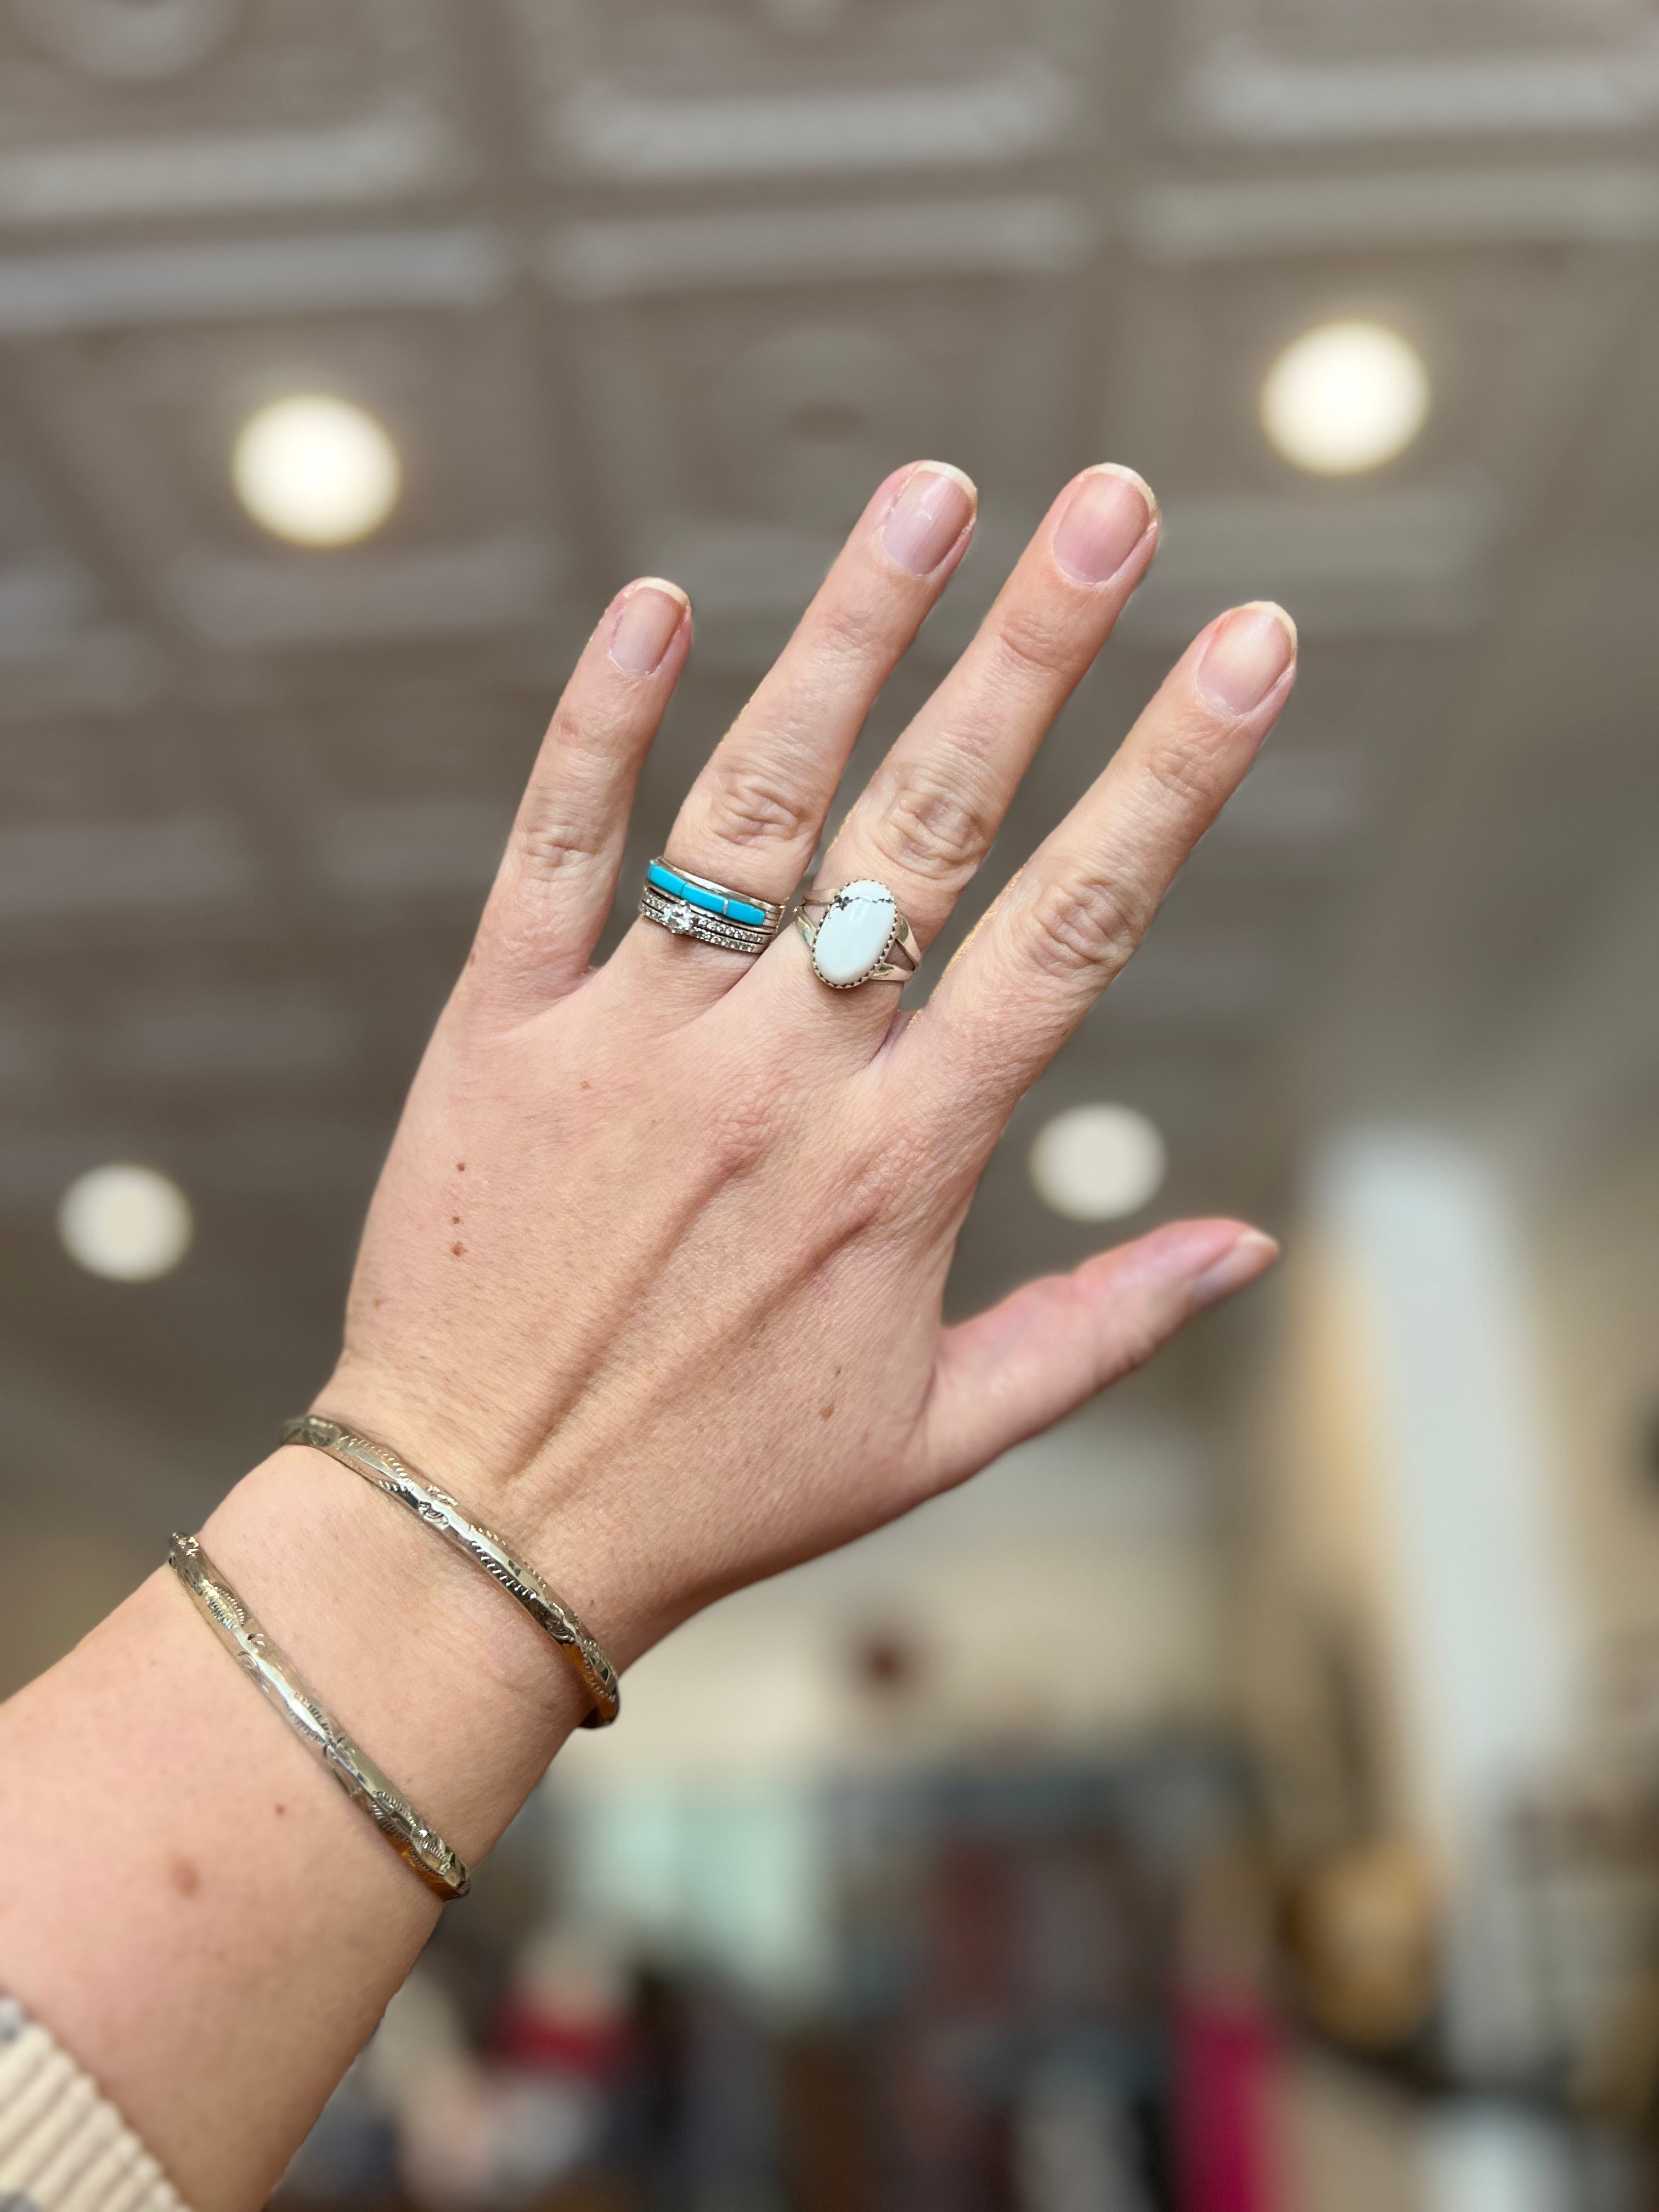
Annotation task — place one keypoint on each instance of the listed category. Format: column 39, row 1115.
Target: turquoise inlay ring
column 691, row 906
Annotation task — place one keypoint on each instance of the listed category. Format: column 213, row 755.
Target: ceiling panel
column 116, row 114
column 668, row 288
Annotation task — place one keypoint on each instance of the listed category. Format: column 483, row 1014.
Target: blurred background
column 352, row 352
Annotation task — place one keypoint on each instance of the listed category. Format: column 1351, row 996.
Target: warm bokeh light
column 127, row 1222
column 317, row 470
column 1095, row 1163
column 1346, row 397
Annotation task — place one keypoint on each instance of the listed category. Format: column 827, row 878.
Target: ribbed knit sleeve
column 63, row 2148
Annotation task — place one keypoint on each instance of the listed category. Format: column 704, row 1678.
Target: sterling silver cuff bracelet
column 379, row 1465
column 275, row 1674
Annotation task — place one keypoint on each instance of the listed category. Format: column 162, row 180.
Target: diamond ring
column 691, row 906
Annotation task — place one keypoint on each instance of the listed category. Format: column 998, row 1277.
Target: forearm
column 192, row 1903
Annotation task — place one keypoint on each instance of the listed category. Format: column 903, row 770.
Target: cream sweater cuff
column 63, row 2148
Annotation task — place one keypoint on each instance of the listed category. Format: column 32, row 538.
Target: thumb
column 1011, row 1372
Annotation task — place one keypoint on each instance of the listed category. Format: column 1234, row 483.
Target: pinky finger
column 1010, row 1373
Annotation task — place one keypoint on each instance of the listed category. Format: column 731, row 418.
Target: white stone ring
column 858, row 935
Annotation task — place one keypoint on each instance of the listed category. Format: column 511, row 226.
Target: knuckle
column 548, row 846
column 555, row 829
column 1032, row 643
column 1122, row 1344
column 743, row 1132
column 1183, row 764
column 583, row 743
column 1088, row 925
column 872, row 1190
column 749, row 804
column 931, row 832
column 572, row 736
column 1140, row 1342
column 850, row 1162
column 547, row 853
column 853, row 631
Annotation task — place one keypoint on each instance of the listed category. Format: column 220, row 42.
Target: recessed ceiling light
column 1095, row 1163
column 316, row 469
column 1346, row 397
column 129, row 1223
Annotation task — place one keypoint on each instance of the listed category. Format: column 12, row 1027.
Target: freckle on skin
column 586, row 1085
column 824, row 1412
column 281, row 1809
column 184, row 1874
column 460, row 1167
column 454, row 1220
column 458, row 1249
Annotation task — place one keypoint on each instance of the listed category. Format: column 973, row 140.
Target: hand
column 652, row 1282
column 653, row 1278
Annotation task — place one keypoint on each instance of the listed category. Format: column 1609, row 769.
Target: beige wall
column 1597, row 1253
column 1316, row 1581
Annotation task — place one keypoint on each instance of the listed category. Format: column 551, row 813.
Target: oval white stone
column 854, row 933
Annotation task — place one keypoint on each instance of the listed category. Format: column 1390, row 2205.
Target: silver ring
column 691, row 906
column 857, row 935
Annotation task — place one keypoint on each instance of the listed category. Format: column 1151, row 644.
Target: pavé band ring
column 691, row 906
column 858, row 935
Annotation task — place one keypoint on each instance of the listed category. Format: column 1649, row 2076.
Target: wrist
column 511, row 1474
column 168, row 1838
column 425, row 1663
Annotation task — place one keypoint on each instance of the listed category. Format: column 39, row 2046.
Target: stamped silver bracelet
column 377, row 1463
column 274, row 1674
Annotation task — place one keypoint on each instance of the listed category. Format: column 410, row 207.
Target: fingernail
column 1109, row 513
column 646, row 625
column 929, row 515
column 1246, row 657
column 1246, row 1259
